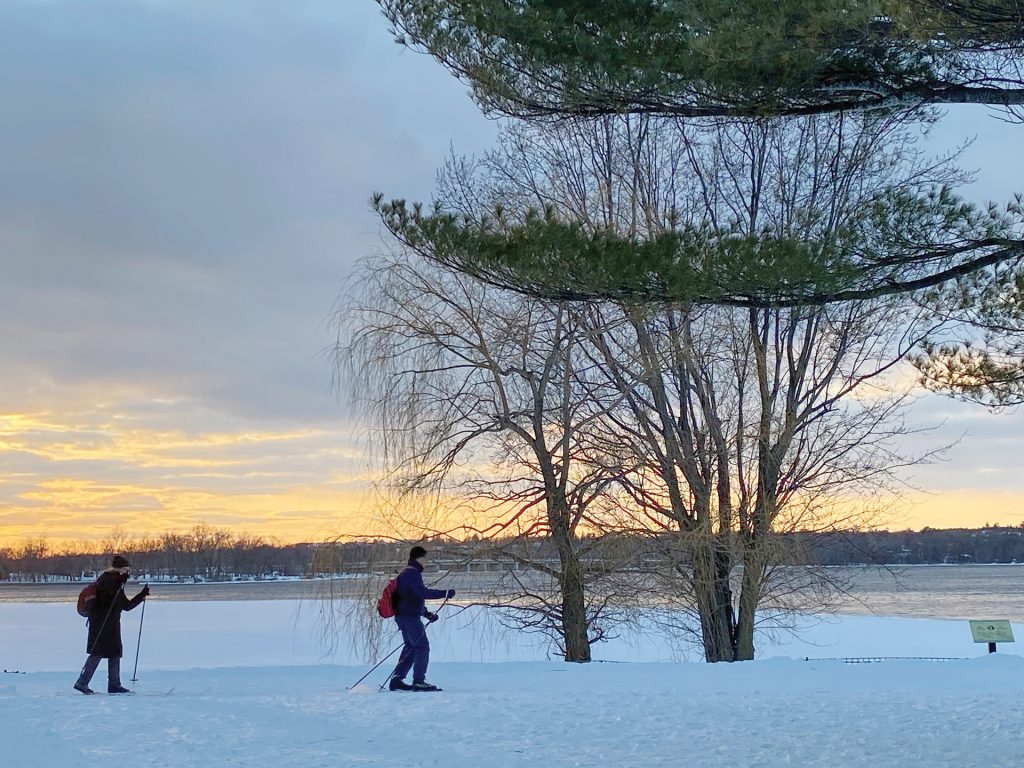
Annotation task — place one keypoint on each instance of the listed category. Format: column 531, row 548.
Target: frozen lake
column 925, row 591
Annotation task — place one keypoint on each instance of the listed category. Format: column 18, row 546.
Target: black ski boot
column 117, row 689
column 83, row 688
column 423, row 685
column 398, row 684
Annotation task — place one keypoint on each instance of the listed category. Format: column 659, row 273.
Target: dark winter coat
column 412, row 592
column 105, row 616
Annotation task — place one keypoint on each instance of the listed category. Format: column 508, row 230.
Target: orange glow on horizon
column 78, row 479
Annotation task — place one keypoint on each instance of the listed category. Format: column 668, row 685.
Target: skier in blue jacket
column 409, row 610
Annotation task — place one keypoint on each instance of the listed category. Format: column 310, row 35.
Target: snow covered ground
column 252, row 687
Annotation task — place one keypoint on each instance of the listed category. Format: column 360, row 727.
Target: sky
column 184, row 189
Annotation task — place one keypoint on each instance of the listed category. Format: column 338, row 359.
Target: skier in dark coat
column 105, row 626
column 409, row 608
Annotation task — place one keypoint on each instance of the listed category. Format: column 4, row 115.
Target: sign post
column 992, row 631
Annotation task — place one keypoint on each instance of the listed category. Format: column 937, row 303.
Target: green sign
column 997, row 631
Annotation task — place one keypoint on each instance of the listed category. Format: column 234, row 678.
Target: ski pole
column 357, row 682
column 138, row 643
column 400, row 658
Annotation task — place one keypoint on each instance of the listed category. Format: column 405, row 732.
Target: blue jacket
column 412, row 592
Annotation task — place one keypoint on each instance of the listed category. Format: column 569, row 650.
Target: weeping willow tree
column 475, row 400
column 535, row 58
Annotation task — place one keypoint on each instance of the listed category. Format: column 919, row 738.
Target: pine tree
column 534, row 58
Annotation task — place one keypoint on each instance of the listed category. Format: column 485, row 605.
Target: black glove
column 145, row 591
column 431, row 617
column 451, row 593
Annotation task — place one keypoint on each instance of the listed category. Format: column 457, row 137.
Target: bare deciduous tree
column 476, row 399
column 740, row 423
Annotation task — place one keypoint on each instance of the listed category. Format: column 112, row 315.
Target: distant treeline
column 204, row 553
column 991, row 544
column 214, row 554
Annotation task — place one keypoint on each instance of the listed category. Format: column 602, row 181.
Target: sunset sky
column 183, row 188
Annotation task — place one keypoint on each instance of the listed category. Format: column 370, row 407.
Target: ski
column 402, row 686
column 410, row 689
column 126, row 695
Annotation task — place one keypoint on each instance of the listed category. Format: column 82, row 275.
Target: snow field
column 229, row 707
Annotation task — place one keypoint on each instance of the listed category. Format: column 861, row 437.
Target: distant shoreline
column 58, row 580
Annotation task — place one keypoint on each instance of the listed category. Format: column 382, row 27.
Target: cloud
column 185, row 187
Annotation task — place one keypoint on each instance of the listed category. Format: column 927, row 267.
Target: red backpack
column 86, row 599
column 389, row 598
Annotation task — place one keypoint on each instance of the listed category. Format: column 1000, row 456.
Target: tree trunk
column 713, row 593
column 574, row 611
column 750, row 596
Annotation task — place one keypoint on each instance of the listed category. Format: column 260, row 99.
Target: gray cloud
column 184, row 186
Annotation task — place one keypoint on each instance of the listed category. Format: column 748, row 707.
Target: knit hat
column 417, row 551
column 119, row 562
